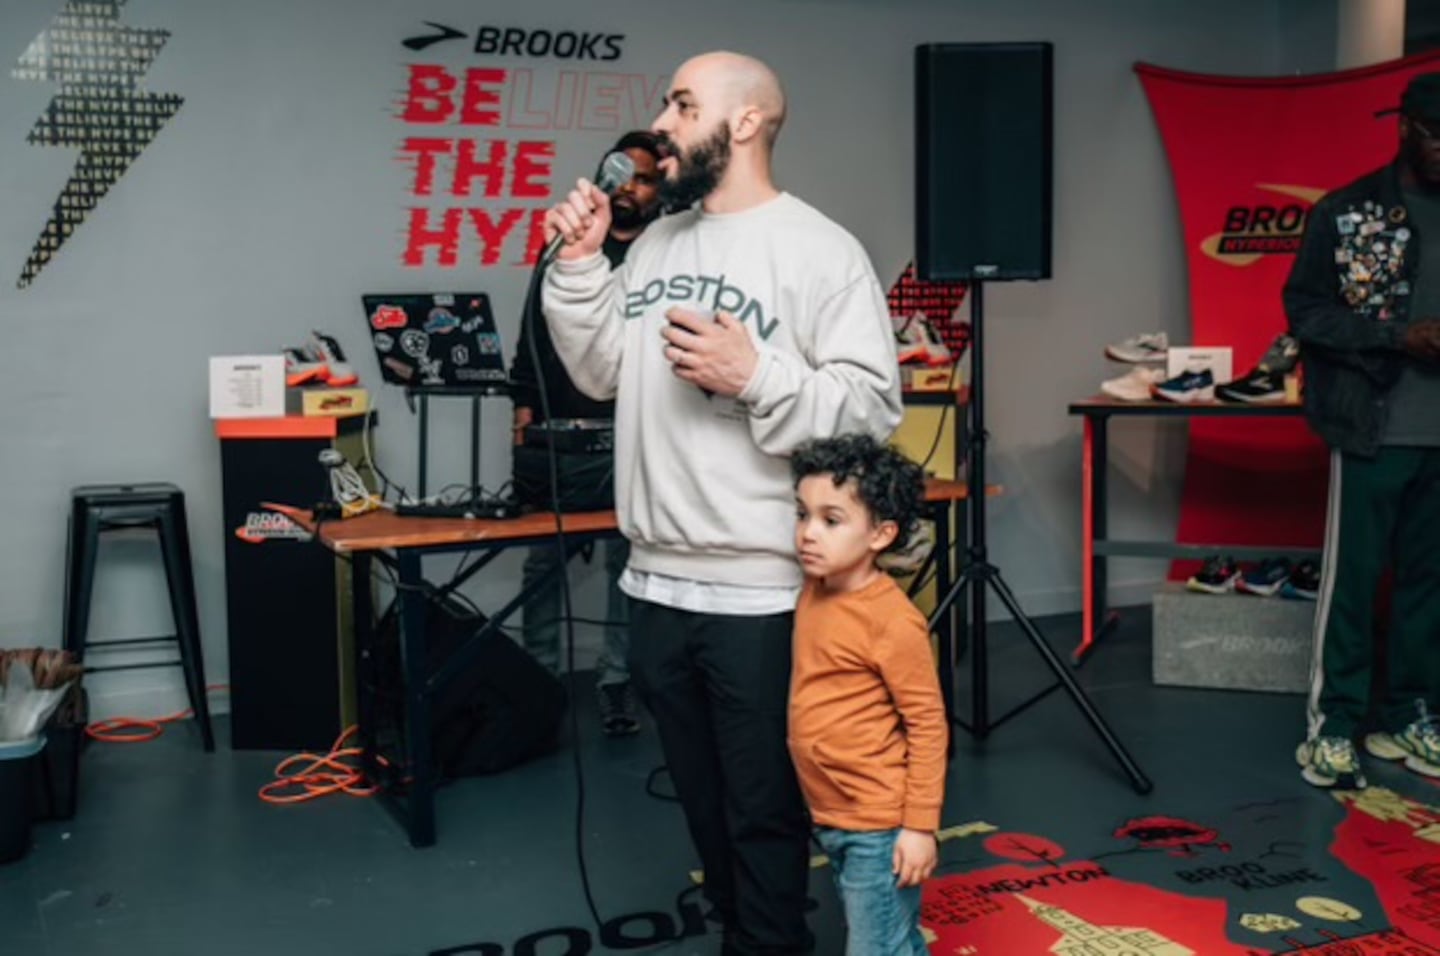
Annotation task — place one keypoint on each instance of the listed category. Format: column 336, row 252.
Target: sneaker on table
column 1330, row 762
column 1282, row 356
column 1146, row 347
column 1216, row 576
column 1267, row 579
column 1303, row 583
column 325, row 349
column 917, row 342
column 1259, row 387
column 1188, row 387
column 301, row 368
column 1266, row 381
column 1136, row 385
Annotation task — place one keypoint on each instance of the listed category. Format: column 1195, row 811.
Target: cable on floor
column 138, row 730
column 338, row 771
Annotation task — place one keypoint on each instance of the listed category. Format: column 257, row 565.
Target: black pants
column 718, row 688
column 1383, row 511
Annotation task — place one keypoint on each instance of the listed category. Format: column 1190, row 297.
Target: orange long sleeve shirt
column 867, row 726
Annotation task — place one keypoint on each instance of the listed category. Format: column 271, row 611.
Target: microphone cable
column 528, row 317
column 616, row 169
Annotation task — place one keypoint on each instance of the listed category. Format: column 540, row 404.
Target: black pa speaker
column 982, row 153
column 500, row 710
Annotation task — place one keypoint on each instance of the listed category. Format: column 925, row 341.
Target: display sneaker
column 1266, row 381
column 1267, row 579
column 1330, row 762
column 617, row 709
column 1136, row 385
column 324, row 348
column 1257, row 388
column 1188, row 387
column 1146, row 347
column 1216, row 576
column 301, row 369
column 1303, row 583
column 917, row 342
column 1282, row 356
column 1417, row 746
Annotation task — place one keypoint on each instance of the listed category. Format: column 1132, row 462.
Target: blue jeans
column 883, row 919
column 542, row 622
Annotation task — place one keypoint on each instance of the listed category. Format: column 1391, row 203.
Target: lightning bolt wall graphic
column 98, row 63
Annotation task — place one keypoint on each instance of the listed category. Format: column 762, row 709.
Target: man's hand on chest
column 715, row 354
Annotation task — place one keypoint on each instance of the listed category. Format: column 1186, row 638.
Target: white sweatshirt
column 702, row 483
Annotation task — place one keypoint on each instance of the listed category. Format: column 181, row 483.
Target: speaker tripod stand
column 978, row 575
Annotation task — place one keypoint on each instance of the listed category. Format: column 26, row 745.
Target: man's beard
column 699, row 171
column 631, row 216
column 1421, row 162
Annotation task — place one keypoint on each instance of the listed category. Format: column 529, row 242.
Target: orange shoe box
column 334, row 402
column 923, row 379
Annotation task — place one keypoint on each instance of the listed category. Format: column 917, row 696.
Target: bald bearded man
column 737, row 328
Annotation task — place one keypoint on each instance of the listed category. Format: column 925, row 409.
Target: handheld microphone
column 617, row 170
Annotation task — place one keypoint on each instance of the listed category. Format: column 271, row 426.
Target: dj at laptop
column 579, row 429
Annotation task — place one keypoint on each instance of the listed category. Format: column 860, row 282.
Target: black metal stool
column 95, row 509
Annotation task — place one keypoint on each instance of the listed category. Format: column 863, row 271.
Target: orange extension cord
column 137, row 730
column 335, row 772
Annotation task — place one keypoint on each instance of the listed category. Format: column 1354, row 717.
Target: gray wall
column 273, row 199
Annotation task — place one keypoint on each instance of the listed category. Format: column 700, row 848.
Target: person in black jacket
column 1363, row 299
column 636, row 204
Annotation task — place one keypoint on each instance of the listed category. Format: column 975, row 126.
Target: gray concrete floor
column 172, row 852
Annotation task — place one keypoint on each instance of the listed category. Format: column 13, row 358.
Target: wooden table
column 408, row 781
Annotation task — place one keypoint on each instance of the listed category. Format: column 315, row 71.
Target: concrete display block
column 1231, row 641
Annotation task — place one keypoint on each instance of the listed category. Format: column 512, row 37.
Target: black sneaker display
column 1217, row 576
column 617, row 709
column 1304, row 582
column 1266, row 381
column 1267, row 579
column 1258, row 387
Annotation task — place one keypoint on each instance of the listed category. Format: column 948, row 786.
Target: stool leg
column 80, row 546
column 175, row 549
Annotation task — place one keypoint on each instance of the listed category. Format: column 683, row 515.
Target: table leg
column 1094, row 468
column 421, row 790
column 367, row 680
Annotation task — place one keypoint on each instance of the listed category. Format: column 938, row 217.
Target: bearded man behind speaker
column 739, row 327
column 636, row 204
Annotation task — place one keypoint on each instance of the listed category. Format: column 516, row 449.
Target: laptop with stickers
column 435, row 339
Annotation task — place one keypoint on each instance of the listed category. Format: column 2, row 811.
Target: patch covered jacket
column 1347, row 300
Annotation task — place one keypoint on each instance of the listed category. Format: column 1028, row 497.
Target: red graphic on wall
column 1248, row 157
column 480, row 155
column 937, row 302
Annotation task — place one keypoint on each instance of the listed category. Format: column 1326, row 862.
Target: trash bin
column 17, row 768
column 57, row 769
column 55, row 777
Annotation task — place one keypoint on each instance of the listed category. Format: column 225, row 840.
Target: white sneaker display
column 1146, row 347
column 1135, row 385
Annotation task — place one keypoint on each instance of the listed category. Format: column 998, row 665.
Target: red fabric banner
column 1249, row 156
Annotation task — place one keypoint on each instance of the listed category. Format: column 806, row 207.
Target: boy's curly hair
column 889, row 485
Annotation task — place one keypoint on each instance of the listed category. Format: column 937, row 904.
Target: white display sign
column 247, row 386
